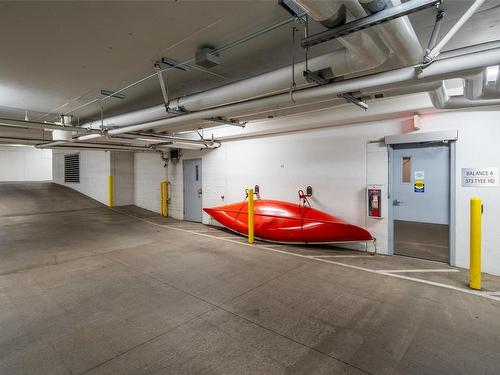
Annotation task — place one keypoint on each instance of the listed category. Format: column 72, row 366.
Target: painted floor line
column 340, row 256
column 493, row 293
column 425, row 270
column 389, row 274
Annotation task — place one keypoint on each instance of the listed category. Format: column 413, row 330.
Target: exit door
column 192, row 190
column 421, row 200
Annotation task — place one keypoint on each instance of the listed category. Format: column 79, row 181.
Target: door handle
column 396, row 202
column 200, row 192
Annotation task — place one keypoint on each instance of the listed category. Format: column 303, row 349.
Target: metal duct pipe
column 469, row 49
column 147, row 114
column 330, row 13
column 85, row 147
column 363, row 51
column 168, row 138
column 51, row 144
column 341, row 62
column 441, row 99
column 107, row 146
column 41, row 125
column 28, row 142
column 442, row 69
column 397, row 34
column 177, row 141
column 483, row 85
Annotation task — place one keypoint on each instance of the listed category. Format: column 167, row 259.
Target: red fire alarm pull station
column 375, row 201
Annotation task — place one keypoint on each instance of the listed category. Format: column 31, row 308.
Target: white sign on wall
column 480, row 177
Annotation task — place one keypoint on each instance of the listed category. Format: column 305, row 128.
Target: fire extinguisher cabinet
column 374, row 195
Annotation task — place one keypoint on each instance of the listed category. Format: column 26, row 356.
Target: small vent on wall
column 72, row 168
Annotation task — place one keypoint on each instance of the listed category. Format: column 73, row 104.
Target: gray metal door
column 192, row 190
column 421, row 200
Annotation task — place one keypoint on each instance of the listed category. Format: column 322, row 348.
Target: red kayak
column 286, row 222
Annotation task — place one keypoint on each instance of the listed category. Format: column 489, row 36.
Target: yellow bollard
column 111, row 195
column 476, row 209
column 164, row 198
column 250, row 216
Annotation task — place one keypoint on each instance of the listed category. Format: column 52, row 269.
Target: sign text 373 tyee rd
column 480, row 177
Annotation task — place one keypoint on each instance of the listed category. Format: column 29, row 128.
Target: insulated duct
column 441, row 99
column 330, row 13
column 454, row 67
column 483, row 85
column 397, row 34
column 363, row 51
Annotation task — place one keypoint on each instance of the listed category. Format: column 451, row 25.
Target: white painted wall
column 477, row 146
column 25, row 164
column 149, row 171
column 95, row 167
column 122, row 168
column 334, row 161
column 338, row 162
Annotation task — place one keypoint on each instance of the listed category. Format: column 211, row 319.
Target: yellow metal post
column 111, row 195
column 250, row 216
column 476, row 208
column 164, row 198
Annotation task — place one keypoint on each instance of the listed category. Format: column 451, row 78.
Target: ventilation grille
column 72, row 168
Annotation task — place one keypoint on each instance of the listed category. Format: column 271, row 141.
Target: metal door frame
column 184, row 188
column 452, row 185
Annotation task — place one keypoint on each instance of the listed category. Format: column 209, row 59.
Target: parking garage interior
column 250, row 187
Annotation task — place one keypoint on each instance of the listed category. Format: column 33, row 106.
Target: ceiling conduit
column 397, row 34
column 483, row 85
column 454, row 67
column 441, row 99
column 363, row 51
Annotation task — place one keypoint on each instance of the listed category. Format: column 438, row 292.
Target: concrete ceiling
column 56, row 56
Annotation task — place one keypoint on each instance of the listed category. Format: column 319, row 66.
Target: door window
column 406, row 168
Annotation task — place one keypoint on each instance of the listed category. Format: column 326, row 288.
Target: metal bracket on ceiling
column 352, row 99
column 427, row 60
column 435, row 31
column 431, row 54
column 177, row 110
column 321, row 77
column 202, row 138
column 174, row 64
column 112, row 94
column 222, row 120
column 294, row 9
column 386, row 15
column 164, row 88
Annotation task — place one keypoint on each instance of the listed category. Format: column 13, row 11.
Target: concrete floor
column 89, row 290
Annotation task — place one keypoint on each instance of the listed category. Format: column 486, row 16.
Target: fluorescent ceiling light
column 492, row 74
column 454, row 86
column 89, row 136
column 15, row 145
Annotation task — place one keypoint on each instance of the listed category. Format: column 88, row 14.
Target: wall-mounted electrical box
column 207, row 58
column 374, row 195
column 309, row 191
column 175, row 154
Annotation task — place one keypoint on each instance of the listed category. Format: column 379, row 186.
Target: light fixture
column 492, row 74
